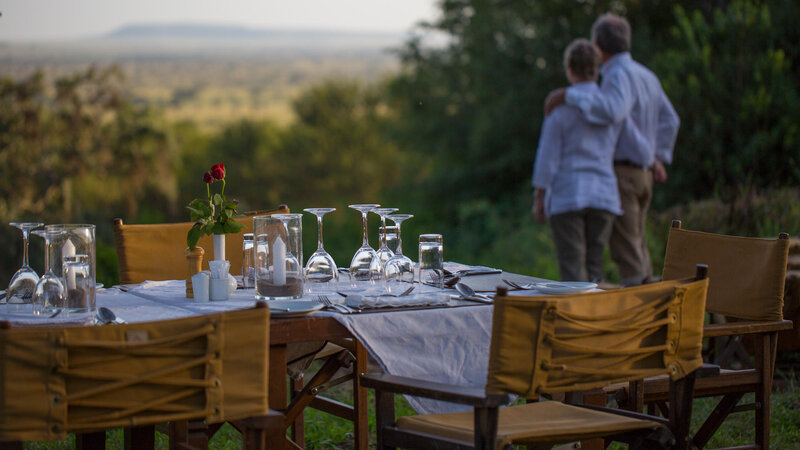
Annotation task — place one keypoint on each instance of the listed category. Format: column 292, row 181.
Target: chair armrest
column 734, row 328
column 707, row 370
column 430, row 389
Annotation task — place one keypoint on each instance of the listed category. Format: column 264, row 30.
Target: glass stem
column 319, row 233
column 25, row 237
column 399, row 250
column 383, row 236
column 364, row 220
column 47, row 249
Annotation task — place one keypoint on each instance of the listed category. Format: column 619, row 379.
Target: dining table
column 443, row 340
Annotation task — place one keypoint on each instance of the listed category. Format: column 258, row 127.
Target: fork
column 526, row 286
column 328, row 303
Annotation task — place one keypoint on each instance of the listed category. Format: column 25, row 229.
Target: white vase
column 219, row 247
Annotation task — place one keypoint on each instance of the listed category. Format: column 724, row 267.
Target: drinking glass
column 384, row 253
column 20, row 289
column 399, row 269
column 389, row 234
column 430, row 260
column 365, row 265
column 49, row 292
column 321, row 272
column 248, row 261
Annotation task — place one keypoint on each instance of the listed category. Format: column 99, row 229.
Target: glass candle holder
column 248, row 261
column 278, row 273
column 78, row 239
column 430, row 260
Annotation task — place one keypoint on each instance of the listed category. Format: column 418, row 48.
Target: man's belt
column 626, row 163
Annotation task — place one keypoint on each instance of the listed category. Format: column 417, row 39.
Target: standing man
column 628, row 90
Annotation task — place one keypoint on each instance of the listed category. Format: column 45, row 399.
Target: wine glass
column 20, row 289
column 365, row 265
column 384, row 252
column 399, row 269
column 320, row 268
column 49, row 292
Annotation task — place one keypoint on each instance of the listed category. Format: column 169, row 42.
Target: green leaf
column 194, row 235
column 218, row 199
column 218, row 228
column 233, row 226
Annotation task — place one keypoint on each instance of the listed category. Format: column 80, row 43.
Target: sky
column 47, row 20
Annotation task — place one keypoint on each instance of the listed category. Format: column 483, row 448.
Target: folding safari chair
column 746, row 285
column 86, row 379
column 556, row 344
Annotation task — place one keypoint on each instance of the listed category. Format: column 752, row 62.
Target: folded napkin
column 384, row 301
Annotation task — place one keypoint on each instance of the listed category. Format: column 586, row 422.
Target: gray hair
column 612, row 34
column 582, row 58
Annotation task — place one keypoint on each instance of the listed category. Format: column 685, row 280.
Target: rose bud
column 208, row 178
column 218, row 171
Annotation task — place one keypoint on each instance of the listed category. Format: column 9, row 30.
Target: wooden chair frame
column 731, row 385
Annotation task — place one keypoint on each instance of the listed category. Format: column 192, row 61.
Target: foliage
column 77, row 150
column 733, row 77
column 214, row 215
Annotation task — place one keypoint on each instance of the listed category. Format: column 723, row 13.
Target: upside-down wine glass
column 399, row 269
column 321, row 272
column 384, row 252
column 365, row 265
column 49, row 292
column 20, row 289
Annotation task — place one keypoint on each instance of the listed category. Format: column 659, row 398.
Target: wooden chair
column 57, row 380
column 747, row 286
column 551, row 344
column 155, row 251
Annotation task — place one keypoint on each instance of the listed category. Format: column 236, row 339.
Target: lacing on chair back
column 547, row 344
column 58, row 380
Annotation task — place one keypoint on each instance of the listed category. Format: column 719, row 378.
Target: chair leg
column 11, row 445
column 384, row 415
column 91, row 441
column 765, row 349
column 298, row 425
column 680, row 409
column 485, row 428
column 140, row 438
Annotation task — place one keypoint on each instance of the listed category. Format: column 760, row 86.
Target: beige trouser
column 627, row 244
column 580, row 238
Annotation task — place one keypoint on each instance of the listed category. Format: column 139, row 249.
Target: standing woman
column 574, row 181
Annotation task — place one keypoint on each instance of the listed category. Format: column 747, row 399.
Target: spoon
column 105, row 315
column 470, row 294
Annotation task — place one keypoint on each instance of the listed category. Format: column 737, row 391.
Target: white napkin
column 385, row 301
column 219, row 269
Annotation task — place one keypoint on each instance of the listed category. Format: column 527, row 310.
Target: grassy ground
column 327, row 432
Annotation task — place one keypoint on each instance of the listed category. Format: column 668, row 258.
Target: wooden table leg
column 361, row 423
column 278, row 395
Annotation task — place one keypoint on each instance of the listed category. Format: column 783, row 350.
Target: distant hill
column 235, row 32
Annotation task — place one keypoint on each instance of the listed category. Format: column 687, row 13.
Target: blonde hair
column 582, row 58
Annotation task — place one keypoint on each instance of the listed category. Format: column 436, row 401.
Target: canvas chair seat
column 529, row 424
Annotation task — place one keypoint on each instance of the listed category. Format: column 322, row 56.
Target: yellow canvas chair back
column 548, row 344
column 156, row 251
column 747, row 274
column 55, row 380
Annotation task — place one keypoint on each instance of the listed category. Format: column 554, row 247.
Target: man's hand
column 554, row 98
column 659, row 172
column 538, row 207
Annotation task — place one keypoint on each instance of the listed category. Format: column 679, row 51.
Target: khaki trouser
column 628, row 246
column 580, row 238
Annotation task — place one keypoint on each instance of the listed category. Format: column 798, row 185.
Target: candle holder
column 74, row 259
column 277, row 242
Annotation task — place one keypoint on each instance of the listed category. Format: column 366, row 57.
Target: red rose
column 218, row 171
column 208, row 178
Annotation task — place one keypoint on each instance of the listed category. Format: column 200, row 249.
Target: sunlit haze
column 45, row 20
